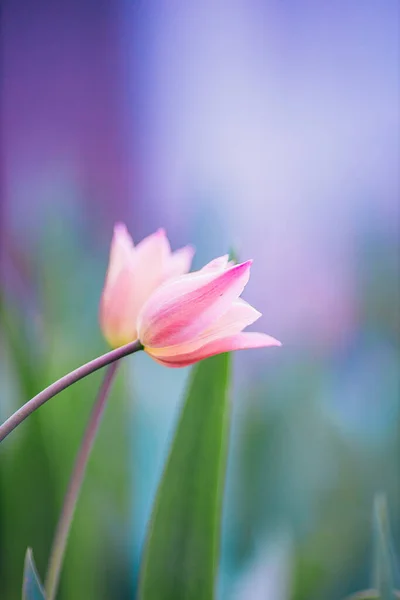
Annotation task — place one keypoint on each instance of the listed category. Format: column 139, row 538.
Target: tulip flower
column 199, row 315
column 134, row 272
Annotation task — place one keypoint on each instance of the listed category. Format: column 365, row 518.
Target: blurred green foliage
column 314, row 437
column 36, row 460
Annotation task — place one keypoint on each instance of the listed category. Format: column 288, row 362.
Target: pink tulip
column 134, row 272
column 200, row 314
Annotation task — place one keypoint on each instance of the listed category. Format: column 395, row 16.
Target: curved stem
column 75, row 484
column 58, row 386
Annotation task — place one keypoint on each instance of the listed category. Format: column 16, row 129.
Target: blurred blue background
column 266, row 126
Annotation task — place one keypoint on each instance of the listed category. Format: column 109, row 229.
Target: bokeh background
column 270, row 127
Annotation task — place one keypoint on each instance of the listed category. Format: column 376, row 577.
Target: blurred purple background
column 270, row 126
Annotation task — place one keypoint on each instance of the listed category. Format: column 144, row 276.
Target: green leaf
column 181, row 553
column 383, row 568
column 32, row 588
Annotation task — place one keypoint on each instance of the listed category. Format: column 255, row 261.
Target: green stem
column 61, row 384
column 75, row 484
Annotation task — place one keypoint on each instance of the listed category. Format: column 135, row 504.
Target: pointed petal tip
column 219, row 263
column 268, row 339
column 188, row 250
column 258, row 340
column 121, row 233
column 243, row 266
column 120, row 227
column 240, row 269
column 273, row 341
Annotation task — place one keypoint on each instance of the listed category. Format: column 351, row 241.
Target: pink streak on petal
column 179, row 311
column 240, row 341
column 180, row 262
column 239, row 315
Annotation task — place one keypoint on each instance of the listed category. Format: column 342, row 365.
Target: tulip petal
column 134, row 273
column 180, row 310
column 217, row 264
column 152, row 256
column 121, row 252
column 239, row 315
column 118, row 309
column 154, row 250
column 240, row 341
column 179, row 262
